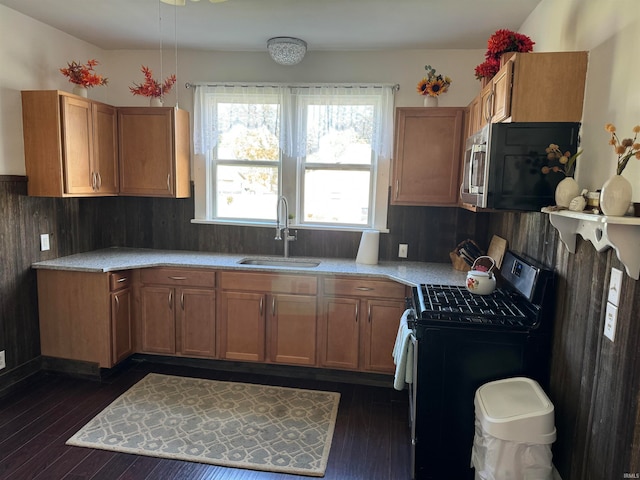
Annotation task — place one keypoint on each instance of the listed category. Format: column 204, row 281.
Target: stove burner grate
column 454, row 303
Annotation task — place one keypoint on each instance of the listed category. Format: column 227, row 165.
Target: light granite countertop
column 117, row 258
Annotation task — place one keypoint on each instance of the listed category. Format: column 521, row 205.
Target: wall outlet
column 3, row 363
column 615, row 284
column 610, row 318
column 403, row 250
column 44, row 242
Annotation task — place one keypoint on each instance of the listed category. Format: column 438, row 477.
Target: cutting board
column 497, row 248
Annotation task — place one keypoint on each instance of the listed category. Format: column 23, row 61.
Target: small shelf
column 620, row 233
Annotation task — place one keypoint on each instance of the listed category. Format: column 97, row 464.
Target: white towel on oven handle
column 403, row 354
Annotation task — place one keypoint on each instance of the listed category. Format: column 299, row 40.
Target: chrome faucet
column 282, row 201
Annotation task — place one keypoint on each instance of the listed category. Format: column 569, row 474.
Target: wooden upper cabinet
column 154, row 151
column 105, row 147
column 428, row 148
column 527, row 88
column 70, row 145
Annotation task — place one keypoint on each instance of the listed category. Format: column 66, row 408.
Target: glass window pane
column 339, row 134
column 248, row 132
column 246, row 192
column 334, row 196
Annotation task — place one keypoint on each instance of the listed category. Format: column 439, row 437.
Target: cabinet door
column 121, row 341
column 196, row 322
column 502, row 93
column 77, row 134
column 158, row 324
column 428, row 146
column 339, row 335
column 380, row 330
column 475, row 116
column 292, row 320
column 242, row 326
column 105, row 165
column 146, row 138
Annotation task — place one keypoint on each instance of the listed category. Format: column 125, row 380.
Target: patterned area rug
column 240, row 425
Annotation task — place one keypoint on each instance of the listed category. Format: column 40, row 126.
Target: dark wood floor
column 371, row 439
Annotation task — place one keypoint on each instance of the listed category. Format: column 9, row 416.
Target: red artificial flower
column 500, row 42
column 83, row 75
column 488, row 68
column 507, row 41
column 150, row 87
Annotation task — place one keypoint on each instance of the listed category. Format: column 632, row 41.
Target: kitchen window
column 325, row 147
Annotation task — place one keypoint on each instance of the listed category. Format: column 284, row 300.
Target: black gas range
column 463, row 340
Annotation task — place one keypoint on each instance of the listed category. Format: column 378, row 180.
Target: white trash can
column 514, row 431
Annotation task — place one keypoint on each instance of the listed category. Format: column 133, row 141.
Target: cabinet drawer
column 269, row 282
column 361, row 287
column 120, row 280
column 179, row 276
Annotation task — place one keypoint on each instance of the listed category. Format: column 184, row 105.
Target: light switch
column 610, row 319
column 615, row 284
column 44, row 242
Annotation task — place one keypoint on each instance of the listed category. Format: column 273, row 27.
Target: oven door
column 475, row 176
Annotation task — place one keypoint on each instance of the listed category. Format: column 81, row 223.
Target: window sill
column 294, row 226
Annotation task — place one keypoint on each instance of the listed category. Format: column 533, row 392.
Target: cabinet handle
column 169, row 181
column 99, row 178
column 177, row 278
column 261, row 305
column 369, row 314
column 357, row 303
column 171, row 300
column 123, row 279
column 182, row 301
column 489, row 106
column 273, row 307
column 117, row 303
column 364, row 289
column 93, row 181
column 397, row 188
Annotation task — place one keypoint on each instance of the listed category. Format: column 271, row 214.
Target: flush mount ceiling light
column 286, row 50
column 181, row 3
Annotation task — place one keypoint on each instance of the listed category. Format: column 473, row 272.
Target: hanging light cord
column 175, row 40
column 160, row 34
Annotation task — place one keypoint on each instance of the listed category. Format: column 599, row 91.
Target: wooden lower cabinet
column 121, row 324
column 357, row 330
column 268, row 317
column 178, row 318
column 380, row 332
column 340, row 333
column 252, row 317
column 293, row 329
column 85, row 316
column 242, row 326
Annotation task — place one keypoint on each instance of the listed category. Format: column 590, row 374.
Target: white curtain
column 206, row 115
column 293, row 100
column 330, row 98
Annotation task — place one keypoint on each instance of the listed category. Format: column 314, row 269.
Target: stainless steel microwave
column 503, row 164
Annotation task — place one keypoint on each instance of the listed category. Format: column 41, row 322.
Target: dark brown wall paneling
column 595, row 384
column 22, row 221
column 431, row 232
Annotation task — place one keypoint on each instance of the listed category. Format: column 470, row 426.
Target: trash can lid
column 516, row 409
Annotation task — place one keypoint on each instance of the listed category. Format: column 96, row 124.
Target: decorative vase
column 615, row 196
column 155, row 102
column 430, row 101
column 567, row 190
column 80, row 91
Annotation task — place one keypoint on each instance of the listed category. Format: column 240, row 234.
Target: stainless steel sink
column 279, row 262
